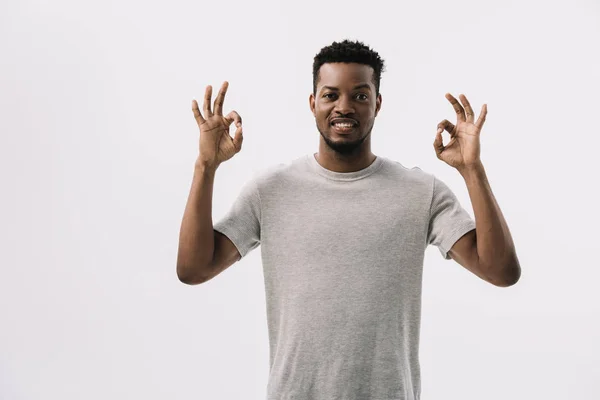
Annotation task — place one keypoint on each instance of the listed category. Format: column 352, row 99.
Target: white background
column 98, row 143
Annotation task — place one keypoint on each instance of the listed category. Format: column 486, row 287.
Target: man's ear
column 378, row 104
column 311, row 103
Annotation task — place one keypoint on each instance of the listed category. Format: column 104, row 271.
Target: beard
column 345, row 147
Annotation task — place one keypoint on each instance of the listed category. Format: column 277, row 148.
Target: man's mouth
column 343, row 125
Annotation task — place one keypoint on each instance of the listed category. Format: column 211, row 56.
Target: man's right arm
column 203, row 252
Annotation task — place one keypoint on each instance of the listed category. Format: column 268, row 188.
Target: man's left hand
column 462, row 151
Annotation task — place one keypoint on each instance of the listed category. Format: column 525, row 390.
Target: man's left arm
column 488, row 251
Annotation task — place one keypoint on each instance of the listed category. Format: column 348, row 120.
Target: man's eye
column 333, row 94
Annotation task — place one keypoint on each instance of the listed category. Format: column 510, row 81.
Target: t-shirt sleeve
column 448, row 220
column 241, row 224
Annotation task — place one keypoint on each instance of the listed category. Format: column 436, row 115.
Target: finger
column 207, row 96
column 197, row 114
column 481, row 118
column 438, row 143
column 221, row 98
column 448, row 126
column 468, row 110
column 238, row 138
column 460, row 112
column 234, row 117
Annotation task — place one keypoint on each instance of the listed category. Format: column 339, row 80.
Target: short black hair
column 349, row 52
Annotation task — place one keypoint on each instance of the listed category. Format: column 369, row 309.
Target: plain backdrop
column 97, row 148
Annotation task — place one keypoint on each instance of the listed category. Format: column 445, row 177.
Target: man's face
column 345, row 90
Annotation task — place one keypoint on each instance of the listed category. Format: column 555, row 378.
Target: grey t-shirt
column 342, row 256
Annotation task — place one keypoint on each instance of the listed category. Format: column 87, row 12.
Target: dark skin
column 352, row 152
column 487, row 251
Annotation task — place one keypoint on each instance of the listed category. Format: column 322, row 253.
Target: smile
column 343, row 128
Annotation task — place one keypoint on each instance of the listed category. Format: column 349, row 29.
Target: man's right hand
column 216, row 145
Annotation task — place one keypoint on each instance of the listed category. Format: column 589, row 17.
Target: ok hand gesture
column 462, row 151
column 216, row 145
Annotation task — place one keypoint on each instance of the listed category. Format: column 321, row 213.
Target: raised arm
column 489, row 251
column 203, row 252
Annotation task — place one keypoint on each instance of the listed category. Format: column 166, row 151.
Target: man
column 343, row 234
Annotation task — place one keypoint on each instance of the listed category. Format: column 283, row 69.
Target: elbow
column 189, row 276
column 510, row 276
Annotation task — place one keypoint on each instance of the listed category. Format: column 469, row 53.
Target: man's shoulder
column 413, row 174
column 266, row 178
column 278, row 171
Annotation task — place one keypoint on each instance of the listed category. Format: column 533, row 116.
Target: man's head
column 346, row 78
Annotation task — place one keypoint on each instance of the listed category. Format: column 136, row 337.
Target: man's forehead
column 346, row 70
column 338, row 75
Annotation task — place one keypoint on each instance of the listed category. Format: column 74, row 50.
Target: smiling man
column 343, row 234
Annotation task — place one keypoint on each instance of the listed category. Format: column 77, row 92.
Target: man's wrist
column 473, row 169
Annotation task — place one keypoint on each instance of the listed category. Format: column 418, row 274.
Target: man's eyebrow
column 361, row 86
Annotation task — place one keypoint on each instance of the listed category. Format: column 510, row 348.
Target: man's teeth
column 343, row 125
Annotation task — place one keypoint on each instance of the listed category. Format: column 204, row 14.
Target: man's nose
column 344, row 106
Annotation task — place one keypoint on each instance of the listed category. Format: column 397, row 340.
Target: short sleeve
column 241, row 224
column 448, row 220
